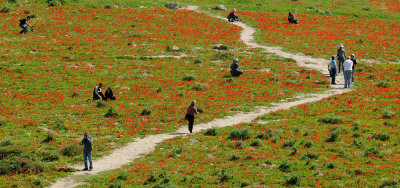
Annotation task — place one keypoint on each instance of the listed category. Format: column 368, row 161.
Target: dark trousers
column 292, row 21
column 332, row 73
column 190, row 118
column 95, row 97
column 233, row 18
column 236, row 73
column 340, row 63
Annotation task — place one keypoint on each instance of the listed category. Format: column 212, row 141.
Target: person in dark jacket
column 23, row 23
column 332, row 70
column 110, row 94
column 191, row 111
column 232, row 16
column 87, row 142
column 354, row 66
column 291, row 18
column 235, row 70
column 97, row 94
column 341, row 56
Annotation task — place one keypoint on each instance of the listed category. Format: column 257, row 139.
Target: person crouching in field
column 191, row 111
column 291, row 18
column 23, row 23
column 332, row 70
column 232, row 16
column 235, row 70
column 110, row 94
column 97, row 94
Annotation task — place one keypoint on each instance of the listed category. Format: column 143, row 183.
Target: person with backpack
column 332, row 70
column 23, row 23
column 341, row 56
column 232, row 16
column 190, row 112
column 110, row 94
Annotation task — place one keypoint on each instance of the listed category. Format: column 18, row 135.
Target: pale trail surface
column 136, row 149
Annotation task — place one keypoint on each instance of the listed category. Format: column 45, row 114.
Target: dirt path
column 134, row 150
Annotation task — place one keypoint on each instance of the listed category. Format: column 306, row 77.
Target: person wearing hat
column 235, row 70
column 341, row 56
column 347, row 71
column 354, row 67
column 232, row 16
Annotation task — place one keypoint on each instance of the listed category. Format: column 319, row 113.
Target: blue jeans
column 347, row 78
column 87, row 155
column 24, row 29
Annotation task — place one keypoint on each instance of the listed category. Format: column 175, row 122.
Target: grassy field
column 48, row 77
column 347, row 140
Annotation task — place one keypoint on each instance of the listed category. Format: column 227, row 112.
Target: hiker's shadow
column 177, row 133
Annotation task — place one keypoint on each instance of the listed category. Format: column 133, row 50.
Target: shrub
column 49, row 138
column 146, row 111
column 293, row 180
column 54, row 3
column 11, row 150
column 222, row 47
column 332, row 119
column 310, row 155
column 19, row 165
column 200, row 86
column 234, row 157
column 47, row 156
column 308, row 144
column 110, row 113
column 200, row 110
column 384, row 84
column 211, row 132
column 387, row 114
column 240, row 134
column 358, row 172
column 108, row 6
column 5, row 143
column 256, row 143
column 122, row 176
column 197, row 61
column 71, row 150
column 5, row 9
column 289, row 143
column 331, row 166
column 59, row 125
column 189, row 77
column 389, row 183
column 175, row 152
column 333, row 136
column 151, row 179
column 371, row 151
column 224, row 177
column 285, row 166
column 381, row 137
column 100, row 104
column 366, row 9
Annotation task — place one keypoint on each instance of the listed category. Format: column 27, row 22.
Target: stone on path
column 220, row 7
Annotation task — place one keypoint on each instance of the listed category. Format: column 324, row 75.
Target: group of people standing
column 347, row 64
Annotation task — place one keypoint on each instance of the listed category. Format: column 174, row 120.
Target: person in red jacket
column 191, row 111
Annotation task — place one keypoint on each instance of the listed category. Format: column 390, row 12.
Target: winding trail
column 140, row 146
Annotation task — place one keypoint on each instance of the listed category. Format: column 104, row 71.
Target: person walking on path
column 23, row 23
column 97, row 94
column 347, row 66
column 87, row 142
column 235, row 70
column 332, row 70
column 341, row 56
column 191, row 111
column 232, row 16
column 354, row 67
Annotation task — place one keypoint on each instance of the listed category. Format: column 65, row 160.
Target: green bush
column 59, row 124
column 224, row 177
column 331, row 166
column 197, row 61
column 285, row 166
column 146, row 111
column 47, row 156
column 387, row 114
column 371, row 151
column 384, row 84
column 389, row 183
column 381, row 137
column 200, row 110
column 200, row 86
column 333, row 136
column 5, row 9
column 240, row 134
column 175, row 152
column 49, row 138
column 111, row 113
column 308, row 144
column 71, row 150
column 332, row 119
column 293, row 180
column 11, row 150
column 19, row 165
column 234, row 157
column 189, row 77
column 256, row 143
column 223, row 47
column 211, row 132
column 310, row 155
column 100, row 104
column 54, row 3
column 5, row 143
column 289, row 143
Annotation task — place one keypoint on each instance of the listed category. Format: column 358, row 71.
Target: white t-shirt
column 348, row 65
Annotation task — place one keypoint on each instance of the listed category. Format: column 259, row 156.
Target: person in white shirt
column 348, row 70
column 97, row 94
